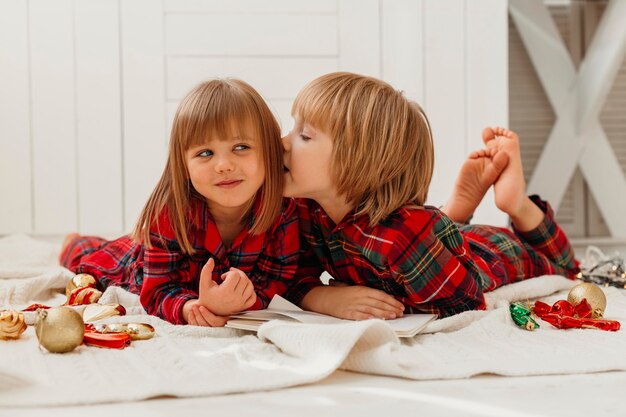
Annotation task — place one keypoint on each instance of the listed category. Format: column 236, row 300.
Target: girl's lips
column 229, row 184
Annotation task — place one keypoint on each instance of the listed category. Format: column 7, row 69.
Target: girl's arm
column 167, row 281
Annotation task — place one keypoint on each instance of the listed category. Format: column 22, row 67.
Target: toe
column 488, row 134
column 500, row 161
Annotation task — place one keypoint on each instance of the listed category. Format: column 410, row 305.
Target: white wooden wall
column 88, row 88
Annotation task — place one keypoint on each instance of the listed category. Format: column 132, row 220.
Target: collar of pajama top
column 416, row 254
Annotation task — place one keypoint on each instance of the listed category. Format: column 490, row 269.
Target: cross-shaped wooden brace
column 577, row 137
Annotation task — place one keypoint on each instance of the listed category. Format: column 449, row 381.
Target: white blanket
column 189, row 361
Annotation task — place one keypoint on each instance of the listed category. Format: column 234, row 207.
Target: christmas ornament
column 59, row 329
column 137, row 331
column 83, row 295
column 93, row 337
column 95, row 312
column 80, row 281
column 564, row 315
column 12, row 324
column 594, row 296
column 521, row 315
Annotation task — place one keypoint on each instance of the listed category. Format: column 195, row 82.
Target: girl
column 215, row 236
column 363, row 219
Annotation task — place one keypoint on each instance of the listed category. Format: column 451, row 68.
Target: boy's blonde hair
column 383, row 153
column 217, row 108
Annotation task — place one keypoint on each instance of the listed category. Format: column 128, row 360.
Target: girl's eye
column 205, row 154
column 241, row 147
column 304, row 137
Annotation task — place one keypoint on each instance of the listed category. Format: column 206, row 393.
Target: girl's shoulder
column 288, row 217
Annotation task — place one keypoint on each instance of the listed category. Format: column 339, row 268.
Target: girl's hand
column 355, row 302
column 198, row 315
column 234, row 294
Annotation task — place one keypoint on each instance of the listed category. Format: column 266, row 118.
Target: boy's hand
column 234, row 294
column 355, row 302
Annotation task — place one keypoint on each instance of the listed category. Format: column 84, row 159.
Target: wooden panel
column 251, row 6
column 144, row 115
column 359, row 37
column 98, row 113
column 444, row 92
column 486, row 84
column 274, row 34
column 282, row 111
column 183, row 73
column 402, row 37
column 53, row 116
column 532, row 116
column 15, row 157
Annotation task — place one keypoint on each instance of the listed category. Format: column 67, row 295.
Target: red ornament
column 564, row 315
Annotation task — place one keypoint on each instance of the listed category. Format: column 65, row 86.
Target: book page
column 281, row 309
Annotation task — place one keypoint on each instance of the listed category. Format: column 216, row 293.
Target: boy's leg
column 510, row 187
column 532, row 219
column 549, row 239
column 479, row 172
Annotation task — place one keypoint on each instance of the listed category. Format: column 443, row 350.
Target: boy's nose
column 286, row 143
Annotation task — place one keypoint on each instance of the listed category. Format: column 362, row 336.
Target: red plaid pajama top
column 166, row 278
column 424, row 259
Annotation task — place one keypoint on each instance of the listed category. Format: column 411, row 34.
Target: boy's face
column 308, row 153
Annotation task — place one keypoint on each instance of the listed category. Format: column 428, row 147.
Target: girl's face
column 227, row 171
column 308, row 153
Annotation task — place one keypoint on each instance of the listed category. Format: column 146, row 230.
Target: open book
column 280, row 309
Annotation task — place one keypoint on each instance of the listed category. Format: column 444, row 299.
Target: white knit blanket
column 187, row 361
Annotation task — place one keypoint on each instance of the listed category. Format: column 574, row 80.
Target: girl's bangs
column 214, row 116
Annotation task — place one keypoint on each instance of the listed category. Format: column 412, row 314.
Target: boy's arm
column 352, row 302
column 439, row 278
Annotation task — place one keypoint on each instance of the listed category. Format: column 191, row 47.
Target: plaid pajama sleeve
column 550, row 240
column 432, row 262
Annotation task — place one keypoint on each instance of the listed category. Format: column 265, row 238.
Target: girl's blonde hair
column 383, row 154
column 214, row 109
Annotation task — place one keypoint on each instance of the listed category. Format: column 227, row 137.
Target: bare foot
column 510, row 187
column 478, row 173
column 68, row 238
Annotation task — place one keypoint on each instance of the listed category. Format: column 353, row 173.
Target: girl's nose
column 223, row 164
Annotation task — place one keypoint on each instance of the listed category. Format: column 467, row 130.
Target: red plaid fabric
column 166, row 278
column 424, row 259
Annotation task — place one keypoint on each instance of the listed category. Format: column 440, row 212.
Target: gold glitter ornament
column 79, row 281
column 594, row 296
column 59, row 329
column 12, row 324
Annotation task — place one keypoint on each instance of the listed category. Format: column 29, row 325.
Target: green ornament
column 521, row 315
